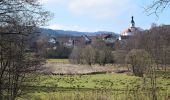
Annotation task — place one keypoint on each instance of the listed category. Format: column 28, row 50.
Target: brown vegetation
column 71, row 69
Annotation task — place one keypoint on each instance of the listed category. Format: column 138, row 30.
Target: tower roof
column 132, row 22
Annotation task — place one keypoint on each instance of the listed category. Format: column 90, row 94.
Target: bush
column 140, row 61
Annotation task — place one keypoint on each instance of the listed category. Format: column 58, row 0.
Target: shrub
column 140, row 61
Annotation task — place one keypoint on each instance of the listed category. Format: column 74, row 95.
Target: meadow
column 64, row 61
column 94, row 87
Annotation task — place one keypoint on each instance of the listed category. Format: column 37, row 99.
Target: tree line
column 149, row 52
column 145, row 47
column 97, row 53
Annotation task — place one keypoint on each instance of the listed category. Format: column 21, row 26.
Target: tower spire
column 132, row 22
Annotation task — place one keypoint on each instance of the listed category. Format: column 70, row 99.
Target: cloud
column 91, row 15
column 100, row 9
column 71, row 27
column 46, row 1
column 55, row 26
column 51, row 2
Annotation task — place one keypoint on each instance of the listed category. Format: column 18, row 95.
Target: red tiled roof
column 127, row 30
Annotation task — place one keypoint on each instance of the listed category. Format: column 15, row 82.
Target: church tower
column 128, row 31
column 132, row 22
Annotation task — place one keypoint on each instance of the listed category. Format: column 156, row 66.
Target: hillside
column 72, row 33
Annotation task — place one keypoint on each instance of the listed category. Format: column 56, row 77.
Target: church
column 128, row 32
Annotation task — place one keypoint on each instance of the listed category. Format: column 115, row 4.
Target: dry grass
column 60, row 68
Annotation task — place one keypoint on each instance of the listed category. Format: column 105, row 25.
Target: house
column 86, row 40
column 70, row 43
column 52, row 40
column 109, row 38
column 77, row 41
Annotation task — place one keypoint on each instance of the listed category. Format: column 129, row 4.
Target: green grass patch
column 99, row 81
column 92, row 87
column 163, row 74
column 64, row 61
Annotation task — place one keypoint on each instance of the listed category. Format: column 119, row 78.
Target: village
column 109, row 38
column 84, row 50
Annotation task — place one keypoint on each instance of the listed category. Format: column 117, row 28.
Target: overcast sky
column 101, row 15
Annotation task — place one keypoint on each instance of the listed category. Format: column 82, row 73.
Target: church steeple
column 132, row 22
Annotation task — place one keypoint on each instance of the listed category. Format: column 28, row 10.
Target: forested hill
column 51, row 32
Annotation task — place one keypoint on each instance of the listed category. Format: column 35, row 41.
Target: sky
column 101, row 15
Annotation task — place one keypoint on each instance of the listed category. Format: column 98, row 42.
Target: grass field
column 64, row 61
column 93, row 87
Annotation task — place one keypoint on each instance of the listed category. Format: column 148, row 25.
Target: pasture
column 94, row 87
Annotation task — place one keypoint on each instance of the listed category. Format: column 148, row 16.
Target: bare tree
column 157, row 6
column 76, row 56
column 91, row 55
column 18, row 19
column 41, row 45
